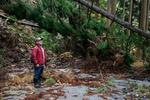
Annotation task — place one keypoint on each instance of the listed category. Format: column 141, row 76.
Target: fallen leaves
column 138, row 64
column 18, row 80
column 66, row 56
column 63, row 75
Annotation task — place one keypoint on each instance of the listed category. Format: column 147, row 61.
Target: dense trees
column 112, row 17
column 81, row 20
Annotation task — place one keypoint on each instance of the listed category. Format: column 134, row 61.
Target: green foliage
column 109, row 82
column 1, row 57
column 54, row 18
column 65, row 8
column 12, row 18
column 50, row 81
column 147, row 67
column 68, row 19
column 91, row 34
column 128, row 59
column 102, row 89
column 103, row 47
column 50, row 42
column 46, row 38
column 18, row 9
column 106, row 87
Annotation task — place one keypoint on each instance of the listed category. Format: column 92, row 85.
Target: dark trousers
column 37, row 74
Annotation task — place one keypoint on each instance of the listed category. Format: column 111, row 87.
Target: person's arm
column 45, row 57
column 34, row 56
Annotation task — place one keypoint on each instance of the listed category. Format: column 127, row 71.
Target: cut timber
column 114, row 18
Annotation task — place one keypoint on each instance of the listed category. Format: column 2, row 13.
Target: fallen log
column 113, row 18
column 22, row 22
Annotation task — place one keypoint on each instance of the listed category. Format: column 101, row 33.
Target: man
column 39, row 60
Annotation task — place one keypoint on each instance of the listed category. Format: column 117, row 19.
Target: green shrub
column 50, row 81
column 106, row 87
column 103, row 47
column 102, row 89
column 109, row 82
column 128, row 59
column 1, row 57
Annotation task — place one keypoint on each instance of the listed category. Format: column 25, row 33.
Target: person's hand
column 37, row 65
column 45, row 66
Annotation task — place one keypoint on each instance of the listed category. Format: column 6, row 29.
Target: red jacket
column 38, row 56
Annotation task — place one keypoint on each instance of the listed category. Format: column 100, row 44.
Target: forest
column 93, row 49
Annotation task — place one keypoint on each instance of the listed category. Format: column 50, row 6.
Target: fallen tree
column 114, row 18
column 22, row 22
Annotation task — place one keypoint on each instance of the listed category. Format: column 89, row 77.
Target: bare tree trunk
column 143, row 15
column 109, row 11
column 113, row 18
column 97, row 4
column 111, row 8
column 123, row 15
column 130, row 14
column 143, row 24
column 148, row 14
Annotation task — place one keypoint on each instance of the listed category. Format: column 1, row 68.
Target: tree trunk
column 148, row 14
column 113, row 18
column 123, row 15
column 130, row 14
column 111, row 8
column 97, row 4
column 143, row 15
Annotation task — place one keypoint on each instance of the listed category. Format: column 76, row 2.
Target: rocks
column 86, row 77
column 120, row 84
column 18, row 71
column 130, row 89
column 93, row 97
column 147, row 79
column 145, row 83
column 116, row 97
column 78, row 93
column 14, row 94
column 76, row 71
column 32, row 97
column 65, row 89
